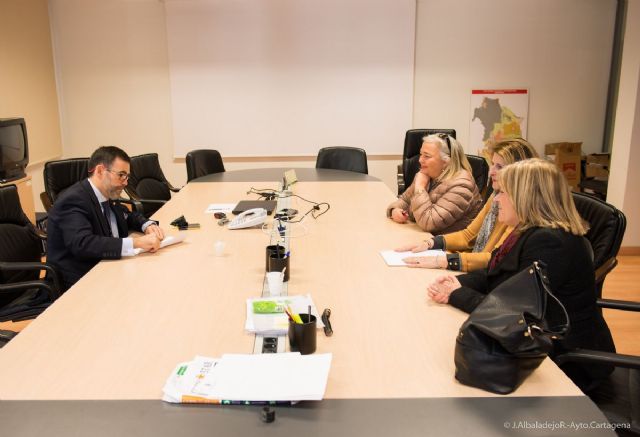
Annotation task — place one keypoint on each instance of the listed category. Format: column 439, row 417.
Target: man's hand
column 149, row 242
column 156, row 230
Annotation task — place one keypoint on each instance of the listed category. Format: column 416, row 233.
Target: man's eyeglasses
column 445, row 138
column 122, row 175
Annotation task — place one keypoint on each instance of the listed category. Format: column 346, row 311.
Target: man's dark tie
column 106, row 208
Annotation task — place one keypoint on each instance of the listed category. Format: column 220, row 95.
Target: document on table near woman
column 393, row 258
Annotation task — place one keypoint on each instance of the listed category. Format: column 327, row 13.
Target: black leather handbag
column 510, row 333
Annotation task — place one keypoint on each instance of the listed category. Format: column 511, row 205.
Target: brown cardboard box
column 599, row 158
column 596, row 171
column 597, row 166
column 567, row 157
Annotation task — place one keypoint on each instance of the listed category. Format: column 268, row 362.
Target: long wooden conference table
column 95, row 362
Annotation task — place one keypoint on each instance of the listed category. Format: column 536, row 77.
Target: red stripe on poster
column 512, row 91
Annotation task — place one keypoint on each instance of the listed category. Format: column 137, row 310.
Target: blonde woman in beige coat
column 443, row 197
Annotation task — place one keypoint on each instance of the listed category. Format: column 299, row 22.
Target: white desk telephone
column 249, row 218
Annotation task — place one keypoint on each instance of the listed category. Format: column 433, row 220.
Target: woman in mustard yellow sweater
column 470, row 249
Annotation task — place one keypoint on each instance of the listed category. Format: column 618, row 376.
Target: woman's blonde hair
column 513, row 150
column 451, row 151
column 541, row 196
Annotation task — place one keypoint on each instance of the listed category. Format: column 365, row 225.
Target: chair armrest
column 172, row 188
column 53, row 292
column 605, row 268
column 46, row 201
column 41, row 234
column 624, row 305
column 136, row 205
column 33, row 266
column 400, row 180
column 157, row 201
column 599, row 357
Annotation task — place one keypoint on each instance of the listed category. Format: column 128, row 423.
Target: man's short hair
column 105, row 155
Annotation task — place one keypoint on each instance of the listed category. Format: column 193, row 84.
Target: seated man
column 87, row 224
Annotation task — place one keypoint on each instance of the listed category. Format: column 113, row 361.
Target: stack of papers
column 393, row 258
column 278, row 323
column 235, row 378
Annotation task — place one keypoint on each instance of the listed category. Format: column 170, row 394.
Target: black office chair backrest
column 480, row 170
column 60, row 175
column 19, row 241
column 411, row 154
column 606, row 230
column 147, row 181
column 343, row 158
column 203, row 162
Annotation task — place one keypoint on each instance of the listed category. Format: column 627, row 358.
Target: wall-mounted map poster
column 496, row 115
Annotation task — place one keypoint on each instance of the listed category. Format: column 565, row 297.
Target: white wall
column 27, row 81
column 113, row 79
column 559, row 49
column 295, row 76
column 625, row 156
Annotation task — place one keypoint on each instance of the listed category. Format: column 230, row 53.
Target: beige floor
column 624, row 283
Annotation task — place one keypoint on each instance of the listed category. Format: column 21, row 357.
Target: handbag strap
column 562, row 329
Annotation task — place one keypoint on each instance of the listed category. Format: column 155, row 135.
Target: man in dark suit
column 87, row 224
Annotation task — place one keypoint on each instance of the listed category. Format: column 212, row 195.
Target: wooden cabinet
column 25, row 191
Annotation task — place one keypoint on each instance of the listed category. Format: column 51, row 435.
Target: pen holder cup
column 277, row 263
column 273, row 250
column 302, row 336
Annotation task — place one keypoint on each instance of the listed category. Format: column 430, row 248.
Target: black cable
column 271, row 194
column 312, row 211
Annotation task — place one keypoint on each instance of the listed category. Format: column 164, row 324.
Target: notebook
column 245, row 205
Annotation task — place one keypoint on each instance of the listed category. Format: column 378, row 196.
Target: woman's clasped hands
column 440, row 289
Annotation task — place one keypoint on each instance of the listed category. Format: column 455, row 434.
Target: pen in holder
column 274, row 249
column 302, row 336
column 279, row 262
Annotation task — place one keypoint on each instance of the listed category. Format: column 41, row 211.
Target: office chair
column 203, row 162
column 480, row 171
column 147, row 183
column 343, row 158
column 60, row 175
column 23, row 294
column 618, row 396
column 411, row 153
column 606, row 229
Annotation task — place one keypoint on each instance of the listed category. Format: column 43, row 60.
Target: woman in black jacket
column 536, row 200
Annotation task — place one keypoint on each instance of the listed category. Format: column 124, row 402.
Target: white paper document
column 167, row 241
column 219, row 207
column 278, row 323
column 239, row 378
column 272, row 377
column 393, row 258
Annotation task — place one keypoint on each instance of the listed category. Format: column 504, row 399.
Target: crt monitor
column 14, row 149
